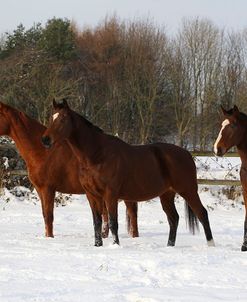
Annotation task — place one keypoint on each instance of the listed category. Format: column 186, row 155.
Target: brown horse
column 111, row 169
column 234, row 133
column 49, row 170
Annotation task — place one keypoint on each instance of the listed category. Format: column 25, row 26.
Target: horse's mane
column 27, row 119
column 21, row 116
column 96, row 128
column 88, row 123
column 91, row 125
column 243, row 115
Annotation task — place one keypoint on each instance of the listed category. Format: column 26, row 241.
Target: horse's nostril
column 219, row 152
column 46, row 141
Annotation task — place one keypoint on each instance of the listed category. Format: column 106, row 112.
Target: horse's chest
column 35, row 177
column 90, row 180
column 243, row 176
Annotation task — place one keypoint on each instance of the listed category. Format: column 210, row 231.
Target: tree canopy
column 129, row 77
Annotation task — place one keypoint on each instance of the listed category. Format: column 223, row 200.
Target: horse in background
column 111, row 169
column 50, row 170
column 233, row 132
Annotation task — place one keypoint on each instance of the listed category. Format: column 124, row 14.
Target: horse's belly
column 141, row 196
column 144, row 191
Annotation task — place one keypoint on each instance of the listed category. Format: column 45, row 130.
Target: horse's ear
column 65, row 103
column 223, row 110
column 235, row 109
column 54, row 103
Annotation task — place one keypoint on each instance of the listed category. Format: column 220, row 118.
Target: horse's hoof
column 211, row 242
column 244, row 248
column 105, row 234
column 116, row 242
column 133, row 234
column 98, row 243
column 170, row 243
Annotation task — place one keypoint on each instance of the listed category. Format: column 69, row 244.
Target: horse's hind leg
column 193, row 200
column 131, row 218
column 167, row 202
column 244, row 245
column 47, row 201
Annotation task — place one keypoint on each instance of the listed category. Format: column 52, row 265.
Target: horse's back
column 174, row 156
column 155, row 168
column 180, row 166
column 176, row 165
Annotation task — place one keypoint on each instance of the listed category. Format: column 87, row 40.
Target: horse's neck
column 85, row 146
column 242, row 150
column 243, row 156
column 26, row 134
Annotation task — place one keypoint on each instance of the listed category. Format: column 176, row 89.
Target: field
column 69, row 268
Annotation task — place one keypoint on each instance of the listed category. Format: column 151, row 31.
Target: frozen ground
column 69, row 268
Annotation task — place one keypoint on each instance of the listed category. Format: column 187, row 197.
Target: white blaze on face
column 55, row 116
column 224, row 124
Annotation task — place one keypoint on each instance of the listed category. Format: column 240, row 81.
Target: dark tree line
column 129, row 77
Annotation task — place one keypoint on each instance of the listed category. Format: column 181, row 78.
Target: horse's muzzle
column 219, row 152
column 46, row 141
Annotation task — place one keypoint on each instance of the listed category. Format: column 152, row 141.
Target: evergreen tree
column 58, row 39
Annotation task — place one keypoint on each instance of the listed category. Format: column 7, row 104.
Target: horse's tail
column 191, row 219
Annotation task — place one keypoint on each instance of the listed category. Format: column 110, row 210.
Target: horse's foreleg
column 112, row 208
column 105, row 226
column 167, row 202
column 244, row 245
column 97, row 209
column 131, row 217
column 47, row 201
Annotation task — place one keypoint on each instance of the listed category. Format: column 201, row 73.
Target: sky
column 230, row 14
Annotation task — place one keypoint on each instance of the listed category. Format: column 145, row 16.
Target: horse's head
column 60, row 127
column 231, row 131
column 4, row 120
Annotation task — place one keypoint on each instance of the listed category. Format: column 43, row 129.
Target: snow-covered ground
column 68, row 268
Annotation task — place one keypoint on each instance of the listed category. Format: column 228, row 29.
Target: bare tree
column 200, row 42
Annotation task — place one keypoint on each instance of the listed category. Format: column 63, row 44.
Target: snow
column 68, row 268
column 218, row 167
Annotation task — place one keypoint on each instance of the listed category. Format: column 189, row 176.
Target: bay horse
column 111, row 170
column 50, row 170
column 233, row 132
